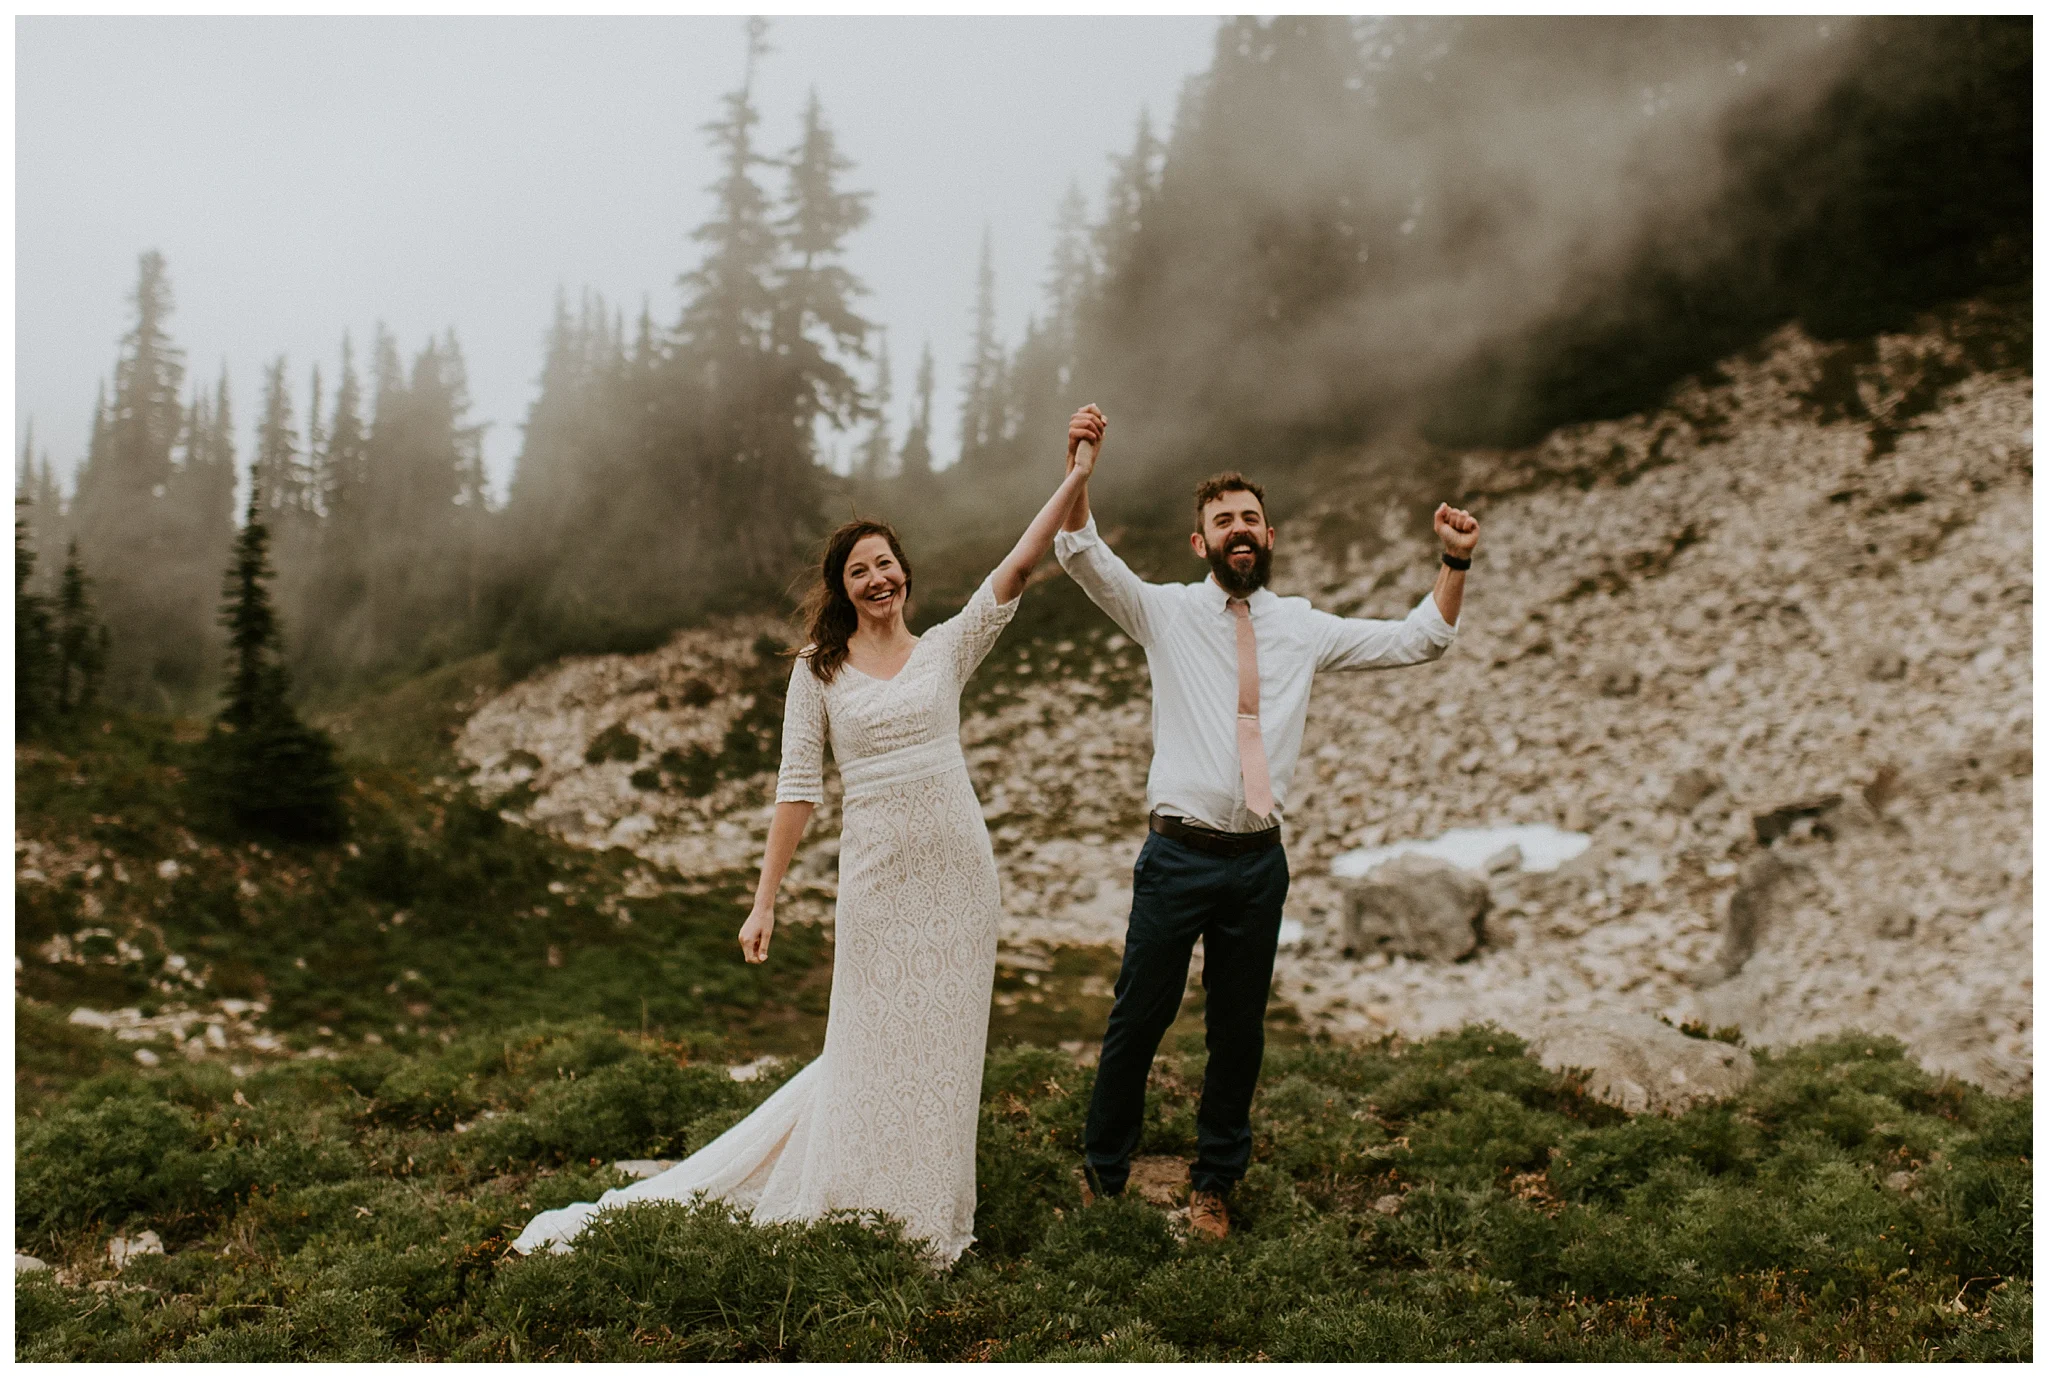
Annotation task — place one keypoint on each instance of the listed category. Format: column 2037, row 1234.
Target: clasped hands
column 1088, row 426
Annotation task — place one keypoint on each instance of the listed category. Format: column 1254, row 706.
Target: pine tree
column 342, row 496
column 47, row 516
column 35, row 491
column 915, row 463
column 875, row 451
column 982, row 386
column 318, row 480
column 81, row 639
column 729, row 317
column 270, row 771
column 1072, row 277
column 280, row 473
column 1133, row 186
column 814, row 292
column 125, row 510
column 34, row 642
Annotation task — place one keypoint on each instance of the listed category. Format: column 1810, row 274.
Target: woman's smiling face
column 875, row 580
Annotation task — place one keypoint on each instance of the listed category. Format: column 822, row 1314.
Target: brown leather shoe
column 1208, row 1215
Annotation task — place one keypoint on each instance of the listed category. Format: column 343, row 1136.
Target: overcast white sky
column 306, row 176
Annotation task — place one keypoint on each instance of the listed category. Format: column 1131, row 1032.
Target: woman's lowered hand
column 755, row 933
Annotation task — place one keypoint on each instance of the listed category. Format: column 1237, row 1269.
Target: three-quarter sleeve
column 974, row 629
column 802, row 777
column 1363, row 643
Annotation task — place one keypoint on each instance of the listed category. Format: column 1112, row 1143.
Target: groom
column 1231, row 666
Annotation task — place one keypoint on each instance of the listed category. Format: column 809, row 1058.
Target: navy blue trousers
column 1179, row 894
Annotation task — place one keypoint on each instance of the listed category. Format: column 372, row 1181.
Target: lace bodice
column 866, row 716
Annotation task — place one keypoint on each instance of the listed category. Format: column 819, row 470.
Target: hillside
column 1799, row 591
column 283, row 1103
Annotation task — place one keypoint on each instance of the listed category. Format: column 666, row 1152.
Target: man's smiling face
column 1235, row 540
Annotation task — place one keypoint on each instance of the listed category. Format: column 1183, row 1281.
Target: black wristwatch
column 1453, row 562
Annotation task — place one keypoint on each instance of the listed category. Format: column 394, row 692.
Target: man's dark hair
column 1229, row 481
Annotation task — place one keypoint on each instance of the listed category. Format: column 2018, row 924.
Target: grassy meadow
column 475, row 1022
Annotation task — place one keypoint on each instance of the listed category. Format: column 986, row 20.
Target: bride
column 884, row 1119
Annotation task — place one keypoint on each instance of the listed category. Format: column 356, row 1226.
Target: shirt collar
column 1216, row 600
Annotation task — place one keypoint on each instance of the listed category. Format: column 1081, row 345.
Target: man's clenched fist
column 1457, row 529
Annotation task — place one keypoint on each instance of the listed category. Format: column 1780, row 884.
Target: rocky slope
column 1790, row 613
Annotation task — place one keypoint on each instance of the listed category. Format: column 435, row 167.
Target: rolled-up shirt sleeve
column 1365, row 643
column 1131, row 603
column 802, row 777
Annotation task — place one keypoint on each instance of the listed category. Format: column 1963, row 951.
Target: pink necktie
column 1251, row 747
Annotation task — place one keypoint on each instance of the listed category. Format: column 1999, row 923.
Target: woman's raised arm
column 1031, row 547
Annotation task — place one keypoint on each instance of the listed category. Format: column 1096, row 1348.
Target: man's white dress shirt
column 1190, row 642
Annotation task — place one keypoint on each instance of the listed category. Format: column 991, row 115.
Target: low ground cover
column 1447, row 1199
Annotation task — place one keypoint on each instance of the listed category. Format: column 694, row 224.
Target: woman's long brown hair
column 827, row 613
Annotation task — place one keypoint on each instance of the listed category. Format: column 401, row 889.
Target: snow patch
column 1543, row 847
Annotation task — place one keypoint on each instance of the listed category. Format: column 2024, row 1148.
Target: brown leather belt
column 1213, row 842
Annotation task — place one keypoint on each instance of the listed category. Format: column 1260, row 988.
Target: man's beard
column 1252, row 580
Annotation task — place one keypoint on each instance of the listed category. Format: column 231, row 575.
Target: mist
column 1463, row 231
column 1488, row 175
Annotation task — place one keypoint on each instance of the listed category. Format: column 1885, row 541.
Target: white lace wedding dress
column 884, row 1119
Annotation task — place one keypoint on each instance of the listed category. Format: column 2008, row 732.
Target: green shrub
column 1361, row 1331
column 1986, row 1193
column 1599, row 1165
column 1118, row 1228
column 721, row 1287
column 423, row 1095
column 320, row 1210
column 633, row 1108
column 123, row 1152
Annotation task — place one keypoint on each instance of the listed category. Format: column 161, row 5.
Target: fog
column 1508, row 182
column 308, row 176
column 1335, row 232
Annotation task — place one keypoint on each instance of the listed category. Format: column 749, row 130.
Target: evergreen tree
column 318, row 480
column 981, row 393
column 47, row 519
column 915, row 462
column 1072, row 276
column 280, row 473
column 269, row 771
column 729, row 315
column 34, row 642
column 814, row 292
column 125, row 509
column 342, row 495
column 1133, row 186
column 36, row 490
column 816, row 328
column 81, row 639
column 875, row 451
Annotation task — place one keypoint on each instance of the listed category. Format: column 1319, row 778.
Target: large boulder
column 1414, row 906
column 1642, row 1064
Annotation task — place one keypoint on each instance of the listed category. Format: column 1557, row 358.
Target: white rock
column 28, row 1263
column 121, row 1250
column 643, row 1167
column 1641, row 1064
column 1543, row 848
